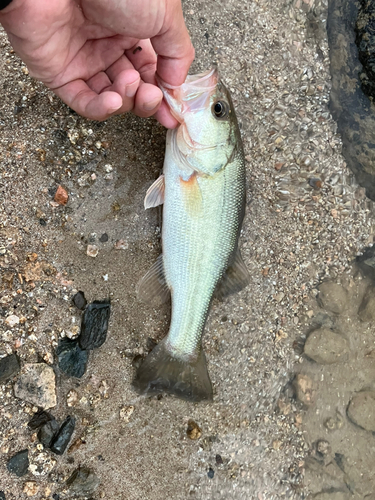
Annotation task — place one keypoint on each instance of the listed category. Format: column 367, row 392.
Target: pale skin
column 87, row 52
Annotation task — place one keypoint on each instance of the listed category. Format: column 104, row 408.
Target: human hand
column 99, row 56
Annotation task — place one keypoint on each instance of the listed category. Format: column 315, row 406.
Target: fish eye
column 220, row 109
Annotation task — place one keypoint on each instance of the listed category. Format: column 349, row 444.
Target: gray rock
column 9, row 367
column 83, row 481
column 36, row 385
column 366, row 311
column 361, row 410
column 19, row 463
column 329, row 495
column 326, row 347
column 333, row 297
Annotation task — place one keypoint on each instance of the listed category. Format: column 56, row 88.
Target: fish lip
column 195, row 81
column 192, row 95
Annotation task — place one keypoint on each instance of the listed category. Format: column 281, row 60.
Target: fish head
column 208, row 133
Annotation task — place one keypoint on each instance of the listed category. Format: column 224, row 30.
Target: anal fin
column 153, row 288
column 155, row 193
column 235, row 278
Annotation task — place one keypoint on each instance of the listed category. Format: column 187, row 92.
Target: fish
column 203, row 193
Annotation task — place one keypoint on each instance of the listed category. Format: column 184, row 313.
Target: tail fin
column 185, row 378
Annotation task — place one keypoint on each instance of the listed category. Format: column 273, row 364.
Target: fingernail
column 132, row 88
column 149, row 106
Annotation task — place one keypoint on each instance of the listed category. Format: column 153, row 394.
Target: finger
column 126, row 85
column 147, row 100
column 173, row 46
column 86, row 102
column 99, row 82
column 145, row 62
column 163, row 116
column 143, row 58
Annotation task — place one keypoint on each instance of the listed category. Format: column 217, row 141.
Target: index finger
column 173, row 46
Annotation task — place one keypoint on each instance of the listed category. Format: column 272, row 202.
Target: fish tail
column 162, row 371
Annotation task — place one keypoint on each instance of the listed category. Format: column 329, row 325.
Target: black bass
column 203, row 191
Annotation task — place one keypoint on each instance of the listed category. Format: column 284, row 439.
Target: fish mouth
column 192, row 96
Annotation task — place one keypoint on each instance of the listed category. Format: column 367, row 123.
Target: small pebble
column 9, row 367
column 92, row 250
column 72, row 398
column 83, row 481
column 19, row 463
column 315, row 182
column 79, row 300
column 103, row 238
column 219, row 460
column 62, row 438
column 210, row 473
column 121, row 245
column 2, row 495
column 193, row 430
column 126, row 412
column 30, row 488
column 323, row 447
column 12, row 321
column 61, row 196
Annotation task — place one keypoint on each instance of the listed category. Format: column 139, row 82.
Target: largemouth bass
column 203, row 191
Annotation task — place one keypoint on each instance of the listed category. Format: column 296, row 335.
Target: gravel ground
column 306, row 221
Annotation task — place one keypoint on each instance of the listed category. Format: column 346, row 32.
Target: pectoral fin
column 153, row 288
column 235, row 278
column 155, row 194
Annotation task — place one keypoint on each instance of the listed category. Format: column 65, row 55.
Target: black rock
column 219, row 460
column 103, row 238
column 210, row 473
column 72, row 360
column 55, row 496
column 19, row 463
column 79, row 300
column 47, row 432
column 62, row 438
column 42, row 222
column 83, row 481
column 95, row 324
column 2, row 495
column 9, row 366
column 39, row 418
